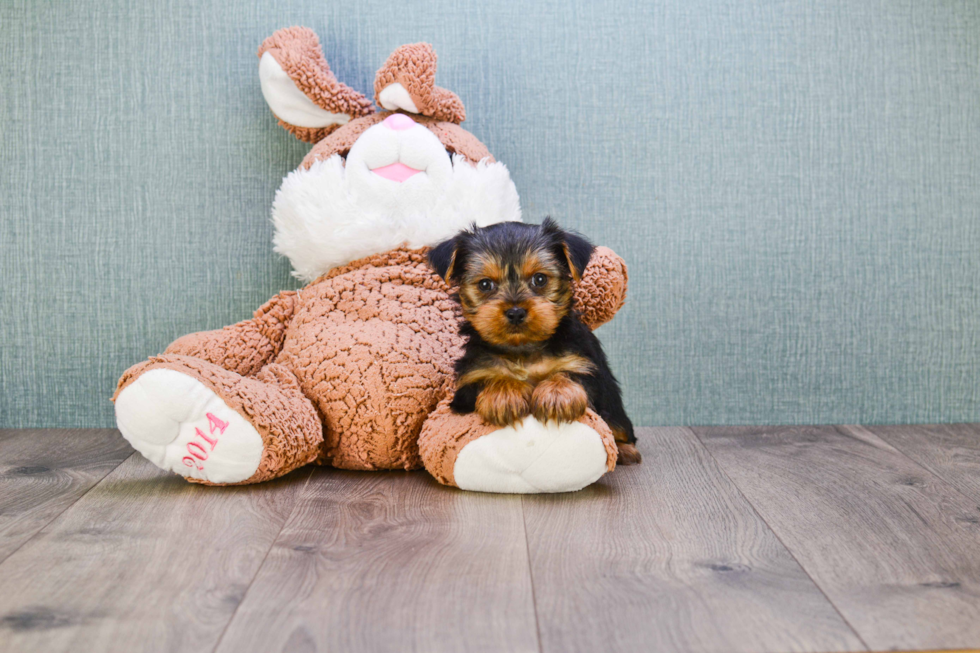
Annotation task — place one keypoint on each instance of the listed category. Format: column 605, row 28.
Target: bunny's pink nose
column 398, row 122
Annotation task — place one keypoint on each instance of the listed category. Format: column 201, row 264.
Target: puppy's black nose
column 515, row 315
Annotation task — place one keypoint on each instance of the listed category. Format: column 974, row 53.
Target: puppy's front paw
column 504, row 402
column 559, row 398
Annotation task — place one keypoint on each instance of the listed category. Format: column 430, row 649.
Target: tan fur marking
column 569, row 363
column 542, row 319
column 504, row 401
column 576, row 273
column 522, row 370
column 473, row 299
column 493, row 372
column 628, row 454
column 452, row 265
column 484, row 265
column 532, row 265
column 492, row 324
column 559, row 398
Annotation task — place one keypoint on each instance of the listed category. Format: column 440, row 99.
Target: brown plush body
column 352, row 366
column 355, row 370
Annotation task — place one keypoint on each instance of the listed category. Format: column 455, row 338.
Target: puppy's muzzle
column 516, row 315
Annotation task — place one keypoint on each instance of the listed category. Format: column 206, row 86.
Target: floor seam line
column 530, row 574
column 258, row 569
column 914, row 461
column 66, row 508
column 779, row 539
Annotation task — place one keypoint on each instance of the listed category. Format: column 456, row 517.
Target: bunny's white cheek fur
column 329, row 215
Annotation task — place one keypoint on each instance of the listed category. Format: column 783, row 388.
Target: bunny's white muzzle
column 397, row 158
column 398, row 186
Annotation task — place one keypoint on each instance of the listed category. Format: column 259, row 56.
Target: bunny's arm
column 601, row 291
column 245, row 347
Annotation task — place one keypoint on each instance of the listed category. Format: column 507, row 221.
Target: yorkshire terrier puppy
column 527, row 351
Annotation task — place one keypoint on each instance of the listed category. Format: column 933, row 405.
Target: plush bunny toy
column 356, row 369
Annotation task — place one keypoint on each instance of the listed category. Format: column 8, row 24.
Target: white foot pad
column 532, row 458
column 180, row 425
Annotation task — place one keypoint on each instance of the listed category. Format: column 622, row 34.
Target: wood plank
column 392, row 562
column 43, row 471
column 668, row 556
column 144, row 562
column 950, row 451
column 894, row 547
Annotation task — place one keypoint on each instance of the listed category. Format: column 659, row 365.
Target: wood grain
column 665, row 556
column 392, row 562
column 894, row 547
column 668, row 556
column 950, row 451
column 43, row 471
column 144, row 562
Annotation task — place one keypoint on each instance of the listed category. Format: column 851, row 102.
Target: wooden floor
column 725, row 539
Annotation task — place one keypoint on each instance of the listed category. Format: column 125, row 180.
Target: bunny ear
column 407, row 82
column 300, row 89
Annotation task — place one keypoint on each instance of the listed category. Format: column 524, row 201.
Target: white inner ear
column 288, row 102
column 394, row 97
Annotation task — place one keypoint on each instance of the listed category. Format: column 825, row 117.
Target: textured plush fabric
column 364, row 353
column 373, row 345
column 794, row 185
column 348, row 369
column 601, row 291
column 246, row 347
column 297, row 49
column 298, row 52
column 272, row 401
column 444, row 435
column 414, row 67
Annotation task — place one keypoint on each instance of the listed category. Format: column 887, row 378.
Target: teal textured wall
column 795, row 186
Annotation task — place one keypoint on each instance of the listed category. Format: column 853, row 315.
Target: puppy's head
column 515, row 280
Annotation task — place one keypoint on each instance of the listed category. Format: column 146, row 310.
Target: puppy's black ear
column 576, row 249
column 443, row 259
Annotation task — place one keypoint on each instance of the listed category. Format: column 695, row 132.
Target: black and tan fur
column 527, row 351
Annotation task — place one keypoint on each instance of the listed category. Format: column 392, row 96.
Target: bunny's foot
column 528, row 458
column 213, row 426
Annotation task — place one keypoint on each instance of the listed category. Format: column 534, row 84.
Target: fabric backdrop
column 795, row 186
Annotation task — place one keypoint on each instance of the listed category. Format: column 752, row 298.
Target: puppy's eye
column 539, row 280
column 486, row 285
